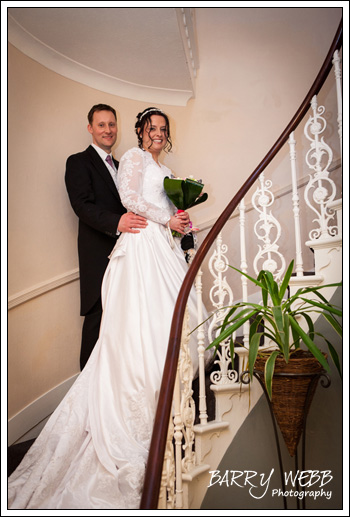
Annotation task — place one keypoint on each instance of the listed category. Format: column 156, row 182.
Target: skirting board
column 28, row 423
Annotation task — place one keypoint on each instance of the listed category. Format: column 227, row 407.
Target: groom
column 91, row 184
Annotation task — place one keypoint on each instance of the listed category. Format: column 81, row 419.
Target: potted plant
column 279, row 316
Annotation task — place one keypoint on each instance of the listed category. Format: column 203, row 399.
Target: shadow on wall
column 253, row 454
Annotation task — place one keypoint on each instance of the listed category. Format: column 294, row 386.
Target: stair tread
column 15, row 454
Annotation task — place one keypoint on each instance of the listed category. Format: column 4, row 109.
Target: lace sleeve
column 130, row 187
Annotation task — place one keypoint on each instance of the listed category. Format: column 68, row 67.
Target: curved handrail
column 154, row 467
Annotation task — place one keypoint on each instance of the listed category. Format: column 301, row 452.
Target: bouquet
column 184, row 194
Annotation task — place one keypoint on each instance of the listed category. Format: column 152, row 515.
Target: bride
column 93, row 450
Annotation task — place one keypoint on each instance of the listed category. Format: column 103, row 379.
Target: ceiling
column 141, row 53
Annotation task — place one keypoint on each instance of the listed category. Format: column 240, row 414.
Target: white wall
column 256, row 66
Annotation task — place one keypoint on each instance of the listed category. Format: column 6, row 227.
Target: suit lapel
column 102, row 169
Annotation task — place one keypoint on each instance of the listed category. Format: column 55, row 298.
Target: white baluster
column 296, row 211
column 183, row 427
column 218, row 264
column 338, row 74
column 187, row 406
column 178, row 442
column 202, row 404
column 244, row 268
column 167, row 486
column 324, row 187
column 264, row 228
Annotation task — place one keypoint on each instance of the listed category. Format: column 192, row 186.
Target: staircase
column 292, row 211
column 228, row 404
column 233, row 400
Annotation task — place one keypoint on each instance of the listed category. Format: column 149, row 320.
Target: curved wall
column 46, row 123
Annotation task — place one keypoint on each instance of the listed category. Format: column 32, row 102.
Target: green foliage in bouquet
column 184, row 193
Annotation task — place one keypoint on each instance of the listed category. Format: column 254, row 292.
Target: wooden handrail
column 149, row 500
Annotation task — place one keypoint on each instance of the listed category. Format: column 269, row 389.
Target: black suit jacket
column 95, row 200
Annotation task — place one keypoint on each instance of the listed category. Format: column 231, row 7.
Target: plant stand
column 325, row 383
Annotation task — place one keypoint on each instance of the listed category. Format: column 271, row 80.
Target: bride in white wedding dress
column 92, row 452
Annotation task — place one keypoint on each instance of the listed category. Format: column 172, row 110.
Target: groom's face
column 103, row 130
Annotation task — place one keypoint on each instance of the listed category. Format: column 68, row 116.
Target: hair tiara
column 150, row 110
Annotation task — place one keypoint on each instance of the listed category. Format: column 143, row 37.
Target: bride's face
column 155, row 135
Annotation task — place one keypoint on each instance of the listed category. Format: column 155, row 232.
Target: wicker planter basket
column 293, row 387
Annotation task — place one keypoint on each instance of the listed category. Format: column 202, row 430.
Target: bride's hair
column 144, row 119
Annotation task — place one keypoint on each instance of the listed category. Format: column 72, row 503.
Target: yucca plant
column 280, row 319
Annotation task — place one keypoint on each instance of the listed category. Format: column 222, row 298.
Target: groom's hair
column 100, row 107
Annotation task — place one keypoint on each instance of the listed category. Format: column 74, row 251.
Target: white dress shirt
column 112, row 170
column 103, row 155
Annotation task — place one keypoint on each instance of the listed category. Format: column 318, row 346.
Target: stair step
column 196, row 471
column 210, row 427
column 15, row 454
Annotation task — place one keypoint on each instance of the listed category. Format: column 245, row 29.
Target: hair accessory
column 149, row 110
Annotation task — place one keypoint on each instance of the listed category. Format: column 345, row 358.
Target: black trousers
column 90, row 332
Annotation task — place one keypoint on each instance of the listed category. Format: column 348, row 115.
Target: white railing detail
column 324, row 187
column 221, row 293
column 187, row 406
column 203, row 415
column 264, row 229
column 296, row 211
column 338, row 75
column 221, row 296
column 244, row 267
column 167, row 485
column 184, row 414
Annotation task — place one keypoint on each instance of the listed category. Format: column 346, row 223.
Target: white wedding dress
column 92, row 452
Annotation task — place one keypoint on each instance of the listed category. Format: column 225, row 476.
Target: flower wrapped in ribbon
column 184, row 194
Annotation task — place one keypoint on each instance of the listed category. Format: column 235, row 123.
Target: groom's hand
column 129, row 222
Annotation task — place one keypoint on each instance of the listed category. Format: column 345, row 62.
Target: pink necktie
column 113, row 172
column 109, row 160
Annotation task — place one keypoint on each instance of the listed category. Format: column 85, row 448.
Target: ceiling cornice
column 187, row 32
column 32, row 47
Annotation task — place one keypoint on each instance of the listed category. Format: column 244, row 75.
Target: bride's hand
column 184, row 216
column 178, row 224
